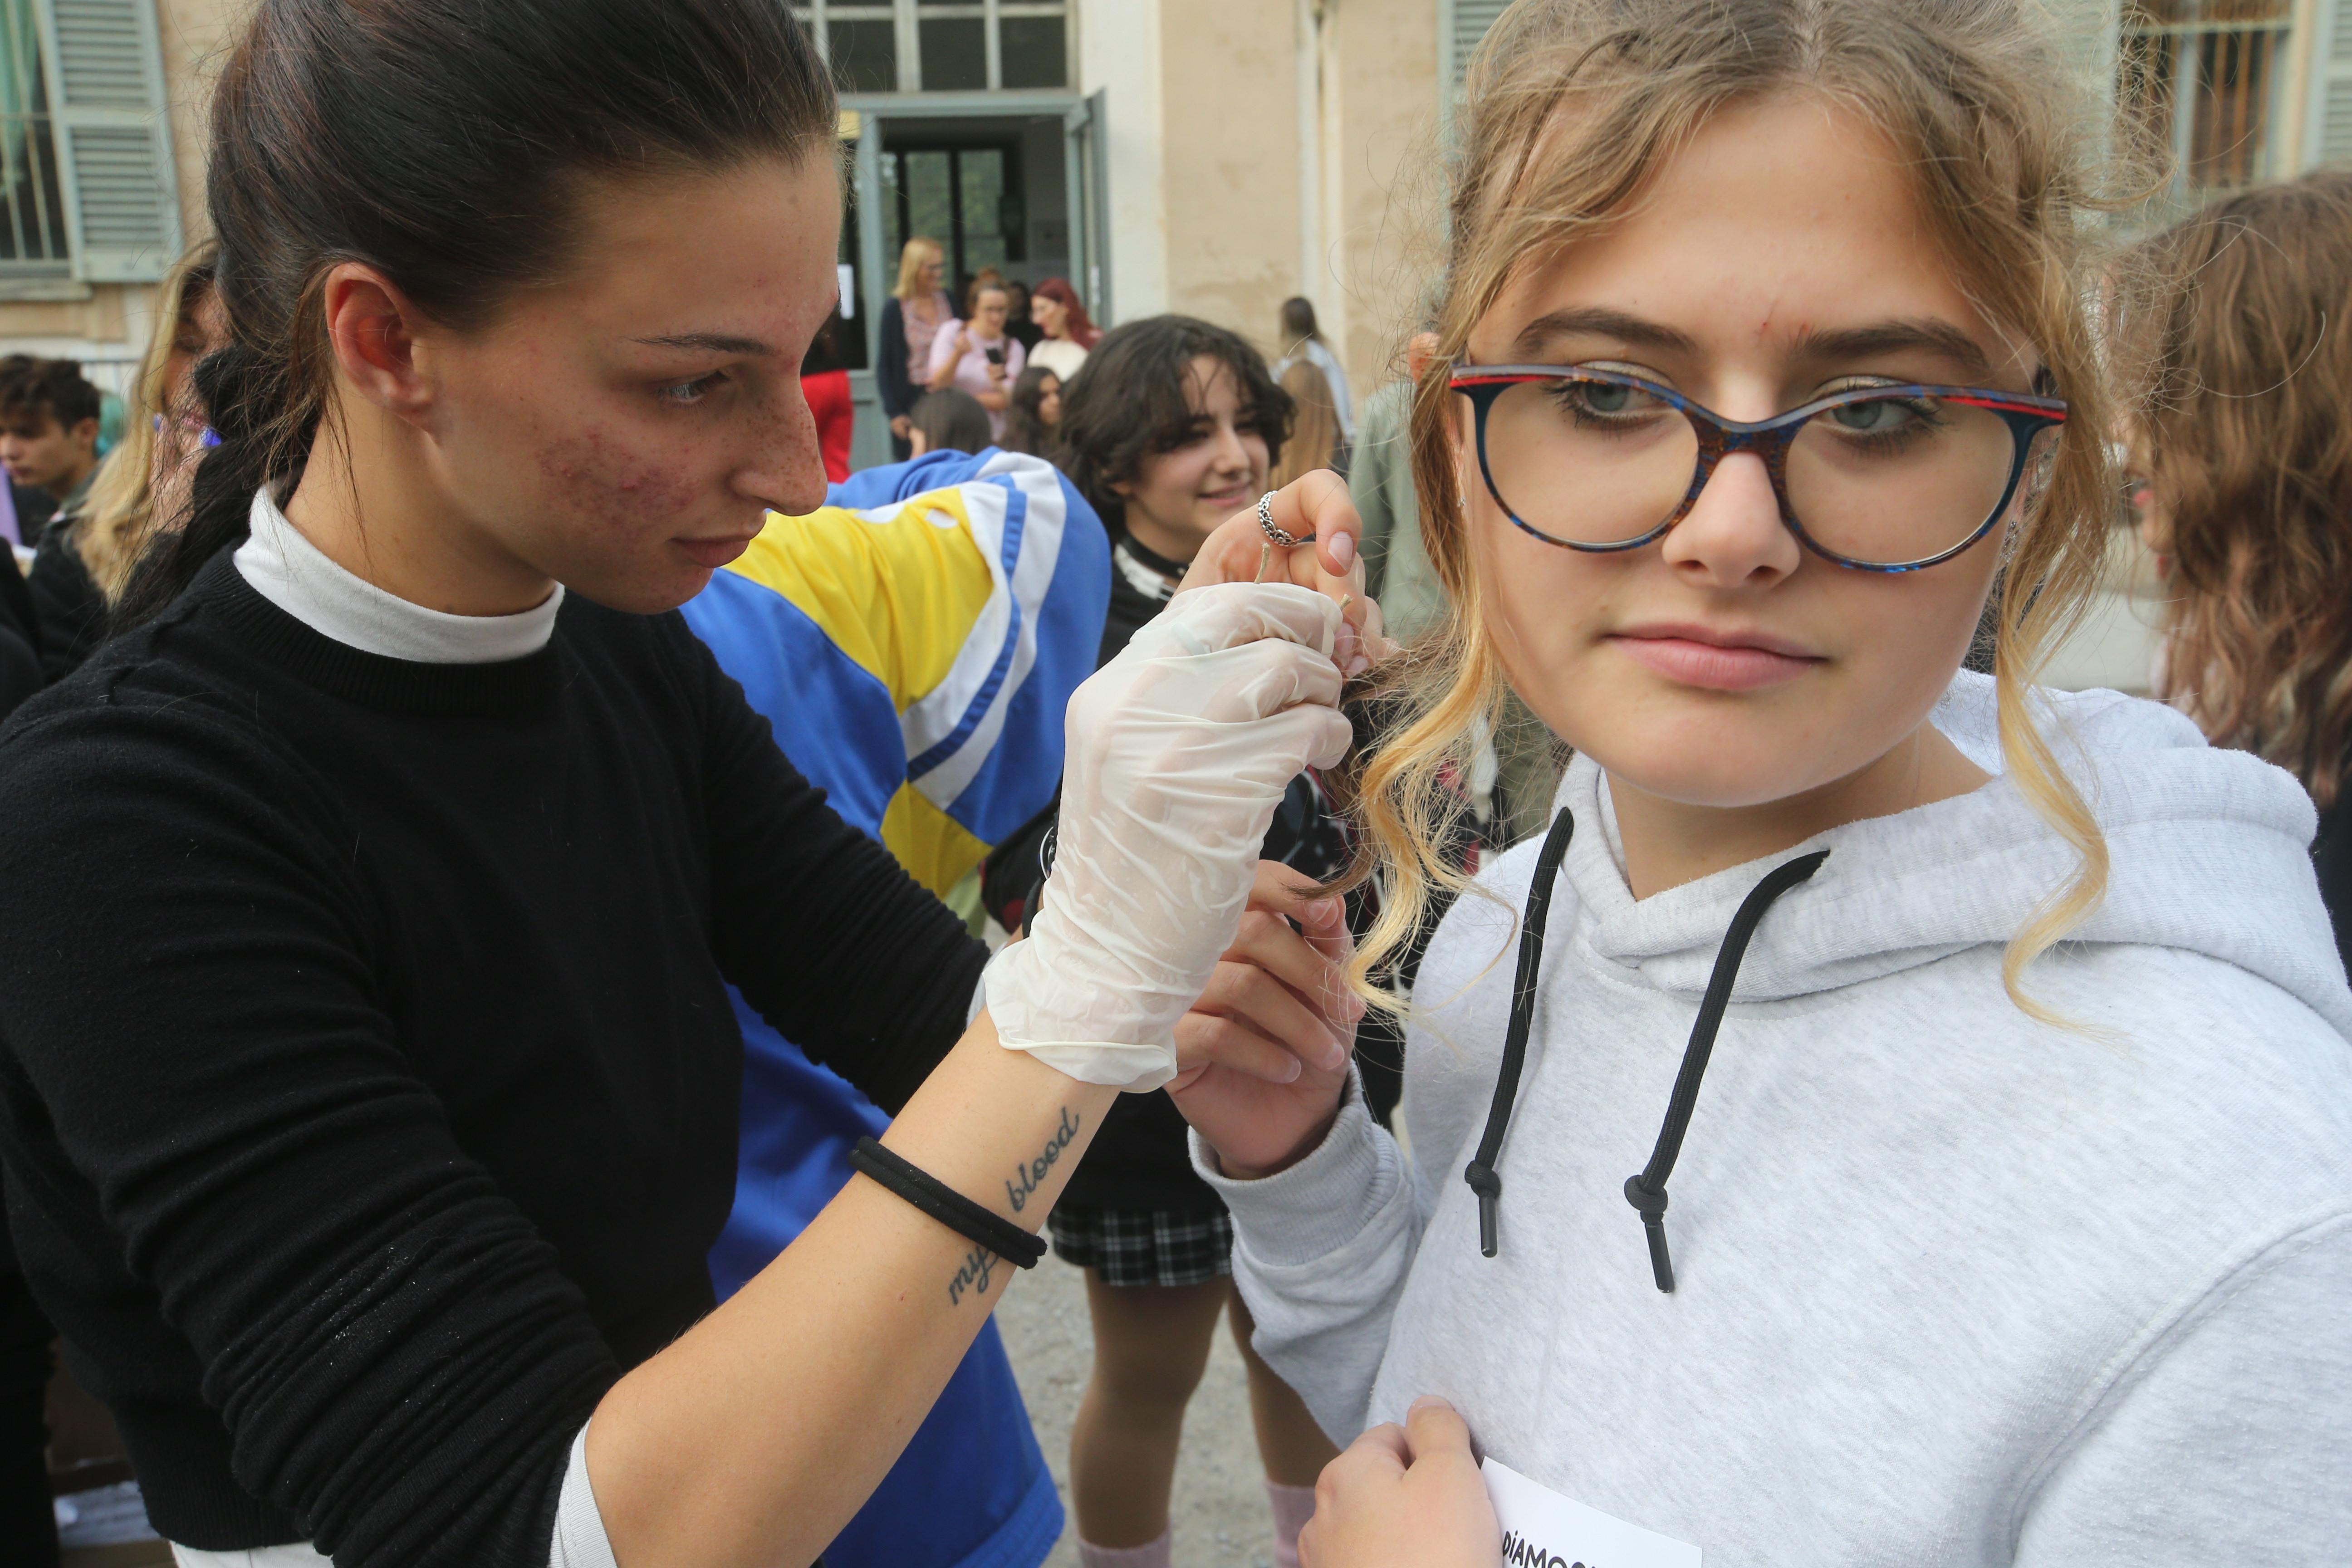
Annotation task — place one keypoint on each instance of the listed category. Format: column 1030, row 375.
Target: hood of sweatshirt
column 2209, row 850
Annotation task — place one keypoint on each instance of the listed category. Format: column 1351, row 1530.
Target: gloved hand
column 1178, row 752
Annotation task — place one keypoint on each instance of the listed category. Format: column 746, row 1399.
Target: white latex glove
column 1178, row 752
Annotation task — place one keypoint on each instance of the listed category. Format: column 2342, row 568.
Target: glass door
column 967, row 196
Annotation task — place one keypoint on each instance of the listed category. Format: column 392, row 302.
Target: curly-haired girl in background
column 2242, row 350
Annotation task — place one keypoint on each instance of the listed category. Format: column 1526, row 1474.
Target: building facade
column 1209, row 156
column 1214, row 157
column 102, row 143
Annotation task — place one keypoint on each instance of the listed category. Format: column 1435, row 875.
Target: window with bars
column 941, row 46
column 86, row 185
column 2203, row 77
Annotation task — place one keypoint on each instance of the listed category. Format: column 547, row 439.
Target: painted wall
column 1120, row 56
column 1230, row 121
column 1384, row 236
column 1261, row 149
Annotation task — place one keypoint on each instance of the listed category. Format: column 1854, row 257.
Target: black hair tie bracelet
column 945, row 1205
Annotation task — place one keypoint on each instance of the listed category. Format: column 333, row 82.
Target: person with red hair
column 1061, row 315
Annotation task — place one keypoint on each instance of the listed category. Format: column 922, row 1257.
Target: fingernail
column 1322, row 911
column 1357, row 665
column 1343, row 549
column 1293, row 1070
column 1346, row 646
column 1428, row 1402
column 1336, row 1054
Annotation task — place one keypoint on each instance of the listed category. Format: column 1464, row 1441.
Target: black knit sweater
column 368, row 1081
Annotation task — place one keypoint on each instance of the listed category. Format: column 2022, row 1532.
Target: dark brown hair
column 1299, row 323
column 1025, row 429
column 951, row 420
column 2240, row 354
column 47, row 389
column 1127, row 403
column 450, row 147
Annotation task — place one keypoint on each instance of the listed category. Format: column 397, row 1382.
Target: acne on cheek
column 600, row 482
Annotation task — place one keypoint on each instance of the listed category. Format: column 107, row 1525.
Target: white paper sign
column 1542, row 1528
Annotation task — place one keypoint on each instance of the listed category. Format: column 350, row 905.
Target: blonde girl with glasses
column 1892, row 1115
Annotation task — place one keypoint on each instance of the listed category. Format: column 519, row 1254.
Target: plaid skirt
column 1144, row 1247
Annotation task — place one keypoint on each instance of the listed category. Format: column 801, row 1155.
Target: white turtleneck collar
column 299, row 578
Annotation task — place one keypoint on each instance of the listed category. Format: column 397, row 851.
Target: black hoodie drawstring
column 1481, row 1174
column 1647, row 1191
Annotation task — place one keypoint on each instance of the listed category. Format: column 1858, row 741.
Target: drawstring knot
column 1653, row 1207
column 1490, row 1187
column 1481, row 1174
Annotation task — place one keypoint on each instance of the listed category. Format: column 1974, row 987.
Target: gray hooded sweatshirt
column 1954, row 1287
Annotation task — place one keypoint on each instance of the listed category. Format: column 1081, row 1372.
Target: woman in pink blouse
column 980, row 356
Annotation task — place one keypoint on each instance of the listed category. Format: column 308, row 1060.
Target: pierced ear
column 373, row 328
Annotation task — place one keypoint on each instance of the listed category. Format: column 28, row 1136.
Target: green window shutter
column 1461, row 24
column 2327, row 112
column 114, row 145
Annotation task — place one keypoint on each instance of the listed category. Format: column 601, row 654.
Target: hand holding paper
column 1404, row 1497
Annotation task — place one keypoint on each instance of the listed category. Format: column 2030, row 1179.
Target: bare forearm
column 753, row 1439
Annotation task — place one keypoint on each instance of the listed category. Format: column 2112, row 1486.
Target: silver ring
column 1281, row 536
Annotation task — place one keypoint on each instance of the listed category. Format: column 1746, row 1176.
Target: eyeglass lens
column 1884, row 481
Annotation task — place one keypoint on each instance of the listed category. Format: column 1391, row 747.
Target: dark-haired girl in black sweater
column 367, row 1076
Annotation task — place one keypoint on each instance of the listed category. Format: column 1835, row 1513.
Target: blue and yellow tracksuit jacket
column 914, row 643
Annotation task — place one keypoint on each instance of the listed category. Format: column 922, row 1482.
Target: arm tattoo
column 979, row 1266
column 1032, row 1176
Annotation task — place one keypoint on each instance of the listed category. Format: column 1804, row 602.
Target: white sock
column 1293, row 1507
column 1150, row 1554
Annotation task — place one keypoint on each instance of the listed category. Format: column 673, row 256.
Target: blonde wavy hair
column 116, row 520
column 1572, row 108
column 917, row 252
column 2236, row 339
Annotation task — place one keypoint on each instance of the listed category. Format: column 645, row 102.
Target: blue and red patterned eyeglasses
column 1877, row 479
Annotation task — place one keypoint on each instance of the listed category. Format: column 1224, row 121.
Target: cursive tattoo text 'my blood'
column 1032, row 1176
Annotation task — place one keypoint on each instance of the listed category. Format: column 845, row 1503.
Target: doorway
column 995, row 190
column 967, row 196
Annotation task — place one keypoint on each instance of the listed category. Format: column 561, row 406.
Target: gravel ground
column 1219, row 1512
